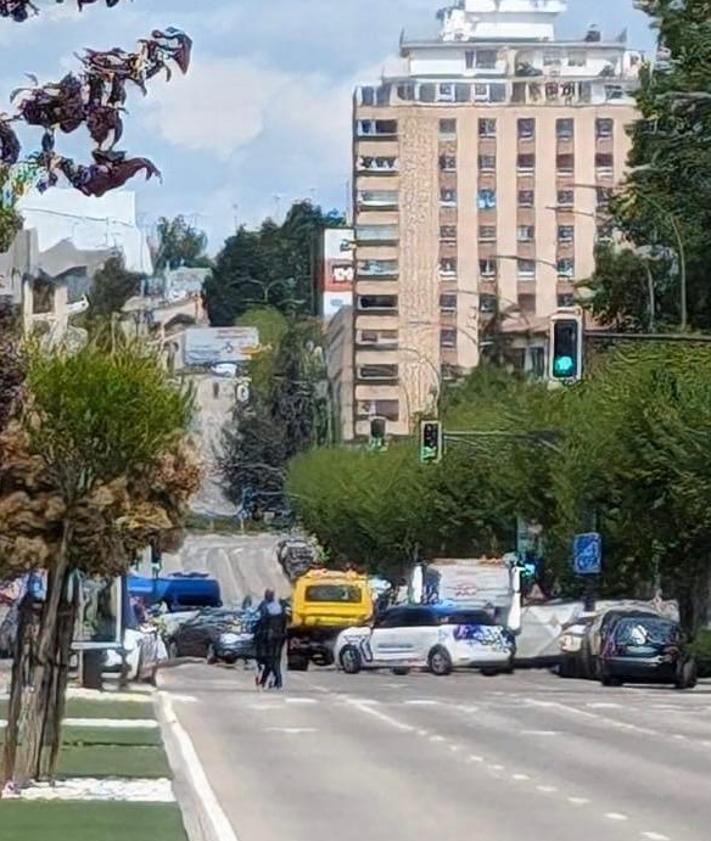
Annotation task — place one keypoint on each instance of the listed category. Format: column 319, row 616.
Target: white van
column 438, row 638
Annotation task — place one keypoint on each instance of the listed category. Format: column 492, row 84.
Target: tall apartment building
column 479, row 167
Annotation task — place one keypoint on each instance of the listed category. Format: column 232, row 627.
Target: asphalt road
column 527, row 757
column 243, row 565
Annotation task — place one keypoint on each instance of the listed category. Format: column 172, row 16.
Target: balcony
column 377, row 129
column 378, row 269
column 378, row 199
column 378, row 165
column 377, row 235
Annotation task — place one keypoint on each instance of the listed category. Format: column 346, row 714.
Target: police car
column 438, row 638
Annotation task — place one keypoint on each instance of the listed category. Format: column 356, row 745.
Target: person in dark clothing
column 270, row 639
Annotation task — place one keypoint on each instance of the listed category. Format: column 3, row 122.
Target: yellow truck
column 324, row 603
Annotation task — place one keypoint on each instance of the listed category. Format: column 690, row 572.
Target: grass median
column 90, row 821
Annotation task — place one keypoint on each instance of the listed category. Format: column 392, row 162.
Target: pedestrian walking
column 270, row 641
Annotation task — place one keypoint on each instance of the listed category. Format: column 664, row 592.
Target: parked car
column 647, row 649
column 215, row 635
column 296, row 557
column 437, row 638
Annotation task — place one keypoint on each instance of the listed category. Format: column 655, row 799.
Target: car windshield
column 333, row 593
column 468, row 617
column 646, row 631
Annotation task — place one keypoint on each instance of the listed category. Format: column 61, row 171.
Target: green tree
column 180, row 244
column 96, row 469
column 111, row 288
column 12, row 363
column 665, row 204
column 273, row 266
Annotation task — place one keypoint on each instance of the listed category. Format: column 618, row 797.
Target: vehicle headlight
column 229, row 638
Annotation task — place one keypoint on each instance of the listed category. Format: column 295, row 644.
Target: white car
column 434, row 637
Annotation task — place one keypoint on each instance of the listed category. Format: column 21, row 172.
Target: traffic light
column 566, row 348
column 431, row 442
column 378, row 428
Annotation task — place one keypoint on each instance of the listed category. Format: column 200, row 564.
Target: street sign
column 587, row 554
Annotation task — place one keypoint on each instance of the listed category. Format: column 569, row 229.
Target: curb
column 203, row 816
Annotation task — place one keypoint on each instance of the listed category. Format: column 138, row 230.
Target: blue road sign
column 587, row 554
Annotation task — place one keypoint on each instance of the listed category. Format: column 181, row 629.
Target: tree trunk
column 23, row 659
column 56, row 700
column 35, row 697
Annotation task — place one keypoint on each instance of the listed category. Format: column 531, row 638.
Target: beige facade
column 339, row 366
column 480, row 169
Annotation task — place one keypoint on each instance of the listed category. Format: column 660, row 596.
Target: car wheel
column 491, row 672
column 401, row 671
column 298, row 663
column 211, row 655
column 688, row 676
column 606, row 680
column 440, row 662
column 350, row 658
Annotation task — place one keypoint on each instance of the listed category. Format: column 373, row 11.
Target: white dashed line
column 655, row 836
column 616, row 816
column 547, row 789
column 301, row 701
column 578, row 801
column 454, row 748
column 436, row 738
column 473, row 758
column 540, row 732
column 520, row 777
column 422, row 732
column 496, row 767
column 424, row 702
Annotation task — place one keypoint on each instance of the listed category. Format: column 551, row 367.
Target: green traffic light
column 564, row 366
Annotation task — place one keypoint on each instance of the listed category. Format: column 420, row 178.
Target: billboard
column 215, row 345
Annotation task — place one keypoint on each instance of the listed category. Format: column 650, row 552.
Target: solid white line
column 213, row 810
column 301, row 701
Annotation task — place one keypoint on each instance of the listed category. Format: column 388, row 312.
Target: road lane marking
column 301, row 701
column 578, row 801
column 436, row 738
column 520, row 777
column 616, row 816
column 603, row 705
column 368, row 709
column 655, row 836
column 474, row 758
column 291, row 731
column 540, row 732
column 423, row 702
column 547, row 789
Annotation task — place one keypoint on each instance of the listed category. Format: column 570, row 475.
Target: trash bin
column 92, row 668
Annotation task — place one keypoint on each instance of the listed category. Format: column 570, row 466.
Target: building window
column 487, row 303
column 527, row 304
column 377, row 268
column 376, row 233
column 448, row 303
column 497, row 92
column 377, row 128
column 406, row 91
column 526, row 233
column 486, row 199
column 448, row 267
column 447, row 127
column 603, row 195
column 526, row 269
column 448, row 197
column 487, row 163
column 487, row 233
column 565, row 164
column 378, row 338
column 566, row 299
column 448, row 338
column 486, row 59
column 566, row 198
column 377, row 372
column 550, row 58
column 445, row 92
column 526, row 162
column 487, row 127
column 604, row 161
column 487, row 267
column 565, row 129
column 448, row 163
column 42, row 296
column 448, row 233
column 604, row 127
column 378, row 198
column 526, row 198
column 388, row 409
column 381, row 303
column 566, row 267
column 577, row 58
column 566, row 233
column 368, row 163
column 469, row 59
column 526, row 128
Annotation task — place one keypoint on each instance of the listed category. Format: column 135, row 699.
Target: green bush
column 702, row 649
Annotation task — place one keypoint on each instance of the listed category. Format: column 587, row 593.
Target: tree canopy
column 180, row 244
column 272, row 266
column 664, row 209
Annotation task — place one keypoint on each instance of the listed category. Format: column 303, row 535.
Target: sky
column 264, row 116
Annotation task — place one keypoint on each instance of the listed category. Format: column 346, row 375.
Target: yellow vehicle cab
column 324, row 602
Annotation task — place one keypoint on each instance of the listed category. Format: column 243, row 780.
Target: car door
column 391, row 641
